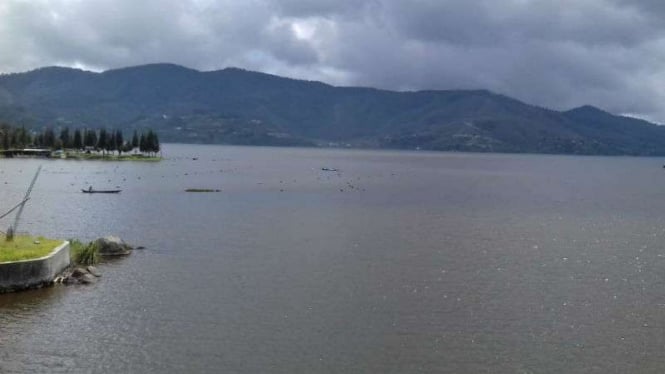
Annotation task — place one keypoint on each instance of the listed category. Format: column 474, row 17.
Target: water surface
column 401, row 262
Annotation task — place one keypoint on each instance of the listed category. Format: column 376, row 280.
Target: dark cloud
column 323, row 8
column 608, row 53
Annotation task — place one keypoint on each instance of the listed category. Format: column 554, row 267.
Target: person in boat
column 90, row 188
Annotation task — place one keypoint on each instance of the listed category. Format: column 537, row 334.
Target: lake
column 398, row 262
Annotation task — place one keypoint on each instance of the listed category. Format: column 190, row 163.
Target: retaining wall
column 20, row 275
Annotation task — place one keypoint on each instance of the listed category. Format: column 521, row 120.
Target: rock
column 78, row 272
column 93, row 270
column 112, row 246
column 79, row 275
column 88, row 279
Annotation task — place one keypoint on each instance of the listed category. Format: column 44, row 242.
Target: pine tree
column 150, row 141
column 119, row 141
column 142, row 143
column 135, row 140
column 49, row 138
column 78, row 140
column 39, row 140
column 5, row 138
column 102, row 140
column 111, row 143
column 93, row 137
column 155, row 146
column 65, row 138
column 87, row 138
column 25, row 137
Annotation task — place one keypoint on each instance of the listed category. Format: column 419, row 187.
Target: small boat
column 329, row 169
column 100, row 191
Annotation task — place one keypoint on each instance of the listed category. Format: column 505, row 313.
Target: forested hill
column 235, row 106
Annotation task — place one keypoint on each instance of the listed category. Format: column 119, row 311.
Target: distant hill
column 234, row 106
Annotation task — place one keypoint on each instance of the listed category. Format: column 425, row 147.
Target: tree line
column 80, row 139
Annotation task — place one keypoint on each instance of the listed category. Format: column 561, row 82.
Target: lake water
column 400, row 262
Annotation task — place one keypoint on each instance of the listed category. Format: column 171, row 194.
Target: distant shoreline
column 76, row 155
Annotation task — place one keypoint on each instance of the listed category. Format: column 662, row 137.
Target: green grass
column 26, row 248
column 83, row 254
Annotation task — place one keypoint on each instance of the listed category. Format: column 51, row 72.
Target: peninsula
column 81, row 144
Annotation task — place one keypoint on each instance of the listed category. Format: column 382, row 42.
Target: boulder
column 93, row 270
column 112, row 246
column 87, row 279
column 78, row 275
column 79, row 272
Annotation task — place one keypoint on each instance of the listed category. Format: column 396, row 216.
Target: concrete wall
column 20, row 275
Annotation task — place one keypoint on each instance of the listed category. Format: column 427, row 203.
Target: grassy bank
column 26, row 248
column 109, row 157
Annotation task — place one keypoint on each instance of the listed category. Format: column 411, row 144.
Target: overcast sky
column 558, row 53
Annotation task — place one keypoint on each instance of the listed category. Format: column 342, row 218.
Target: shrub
column 83, row 254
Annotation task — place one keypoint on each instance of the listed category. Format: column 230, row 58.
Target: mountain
column 234, row 106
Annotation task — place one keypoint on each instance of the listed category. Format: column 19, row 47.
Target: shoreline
column 75, row 155
column 34, row 273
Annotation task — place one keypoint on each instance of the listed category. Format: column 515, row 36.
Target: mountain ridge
column 238, row 106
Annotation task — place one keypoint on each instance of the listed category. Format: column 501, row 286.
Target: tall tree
column 102, row 140
column 119, row 141
column 142, row 143
column 150, row 141
column 155, row 145
column 39, row 140
column 49, row 138
column 135, row 140
column 6, row 137
column 78, row 140
column 91, row 138
column 111, row 142
column 26, row 138
column 65, row 138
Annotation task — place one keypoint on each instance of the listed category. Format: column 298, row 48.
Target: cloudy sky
column 556, row 53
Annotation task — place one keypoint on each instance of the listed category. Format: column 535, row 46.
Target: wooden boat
column 100, row 191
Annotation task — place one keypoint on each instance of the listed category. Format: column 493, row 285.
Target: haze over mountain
column 234, row 106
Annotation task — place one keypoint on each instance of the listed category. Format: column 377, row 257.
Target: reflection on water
column 399, row 262
column 23, row 303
